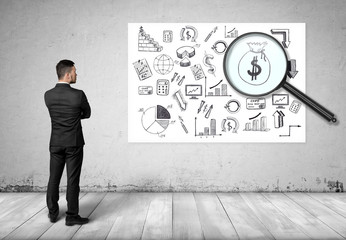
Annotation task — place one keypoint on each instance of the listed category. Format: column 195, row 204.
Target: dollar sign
column 256, row 69
column 207, row 63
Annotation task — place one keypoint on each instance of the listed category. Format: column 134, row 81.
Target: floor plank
column 312, row 226
column 131, row 218
column 214, row 220
column 244, row 219
column 334, row 201
column 87, row 204
column 102, row 218
column 186, row 224
column 24, row 210
column 320, row 211
column 275, row 221
column 158, row 224
column 34, row 227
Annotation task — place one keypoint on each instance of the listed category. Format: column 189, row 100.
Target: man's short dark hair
column 63, row 67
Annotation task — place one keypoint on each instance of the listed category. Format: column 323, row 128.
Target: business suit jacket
column 67, row 106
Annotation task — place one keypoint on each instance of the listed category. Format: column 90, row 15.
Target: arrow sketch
column 289, row 131
column 182, row 104
column 292, row 71
column 286, row 36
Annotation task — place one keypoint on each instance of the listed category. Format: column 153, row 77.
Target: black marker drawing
column 292, row 71
column 280, row 100
column 278, row 119
column 257, row 125
column 197, row 72
column 162, row 87
column 193, row 91
column 285, row 34
column 254, row 66
column 155, row 120
column 209, row 35
column 145, row 90
column 255, row 103
column 255, row 116
column 174, row 76
column 233, row 33
column 219, row 47
column 208, row 131
column 187, row 31
column 163, row 64
column 230, row 124
column 207, row 115
column 233, row 106
column 216, row 84
column 167, row 36
column 289, row 130
column 181, row 102
column 142, row 69
column 206, row 61
column 146, row 43
column 200, row 106
column 183, row 125
column 295, row 106
column 185, row 53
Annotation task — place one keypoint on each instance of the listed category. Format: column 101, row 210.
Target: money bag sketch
column 254, row 65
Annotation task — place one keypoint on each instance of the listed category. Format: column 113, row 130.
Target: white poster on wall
column 215, row 82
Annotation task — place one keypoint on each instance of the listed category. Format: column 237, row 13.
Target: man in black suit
column 67, row 106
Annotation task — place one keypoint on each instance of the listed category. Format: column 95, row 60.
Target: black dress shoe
column 52, row 218
column 72, row 220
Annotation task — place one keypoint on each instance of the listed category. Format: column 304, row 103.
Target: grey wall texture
column 35, row 35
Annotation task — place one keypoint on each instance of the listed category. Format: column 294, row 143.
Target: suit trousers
column 73, row 158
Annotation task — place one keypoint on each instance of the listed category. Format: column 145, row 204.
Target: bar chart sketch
column 257, row 125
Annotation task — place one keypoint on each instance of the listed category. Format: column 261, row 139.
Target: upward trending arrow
column 286, row 36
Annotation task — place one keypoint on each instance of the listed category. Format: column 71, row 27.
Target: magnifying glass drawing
column 255, row 64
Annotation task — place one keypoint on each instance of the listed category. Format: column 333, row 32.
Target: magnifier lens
column 255, row 64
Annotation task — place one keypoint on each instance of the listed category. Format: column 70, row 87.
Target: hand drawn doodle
column 200, row 106
column 183, row 125
column 230, row 124
column 181, row 102
column 231, row 34
column 218, row 92
column 197, row 72
column 233, row 106
column 289, row 130
column 207, row 115
column 292, row 71
column 163, row 64
column 142, row 69
column 174, row 76
column 145, row 90
column 181, row 81
column 208, row 131
column 193, row 91
column 206, row 61
column 255, row 103
column 162, row 87
column 295, row 106
column 167, row 36
column 257, row 125
column 187, row 31
column 147, row 44
column 209, row 35
column 155, row 120
column 280, row 100
column 285, row 34
column 219, row 47
column 254, row 67
column 278, row 119
column 251, row 118
column 185, row 53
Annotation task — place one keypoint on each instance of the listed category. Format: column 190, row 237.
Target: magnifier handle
column 325, row 113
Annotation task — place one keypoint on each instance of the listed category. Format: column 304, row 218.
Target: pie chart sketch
column 155, row 120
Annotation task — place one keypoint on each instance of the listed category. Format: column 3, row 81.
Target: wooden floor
column 180, row 216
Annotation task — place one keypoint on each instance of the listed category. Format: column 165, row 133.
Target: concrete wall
column 35, row 35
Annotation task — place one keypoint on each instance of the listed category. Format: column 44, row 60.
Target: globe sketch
column 163, row 64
